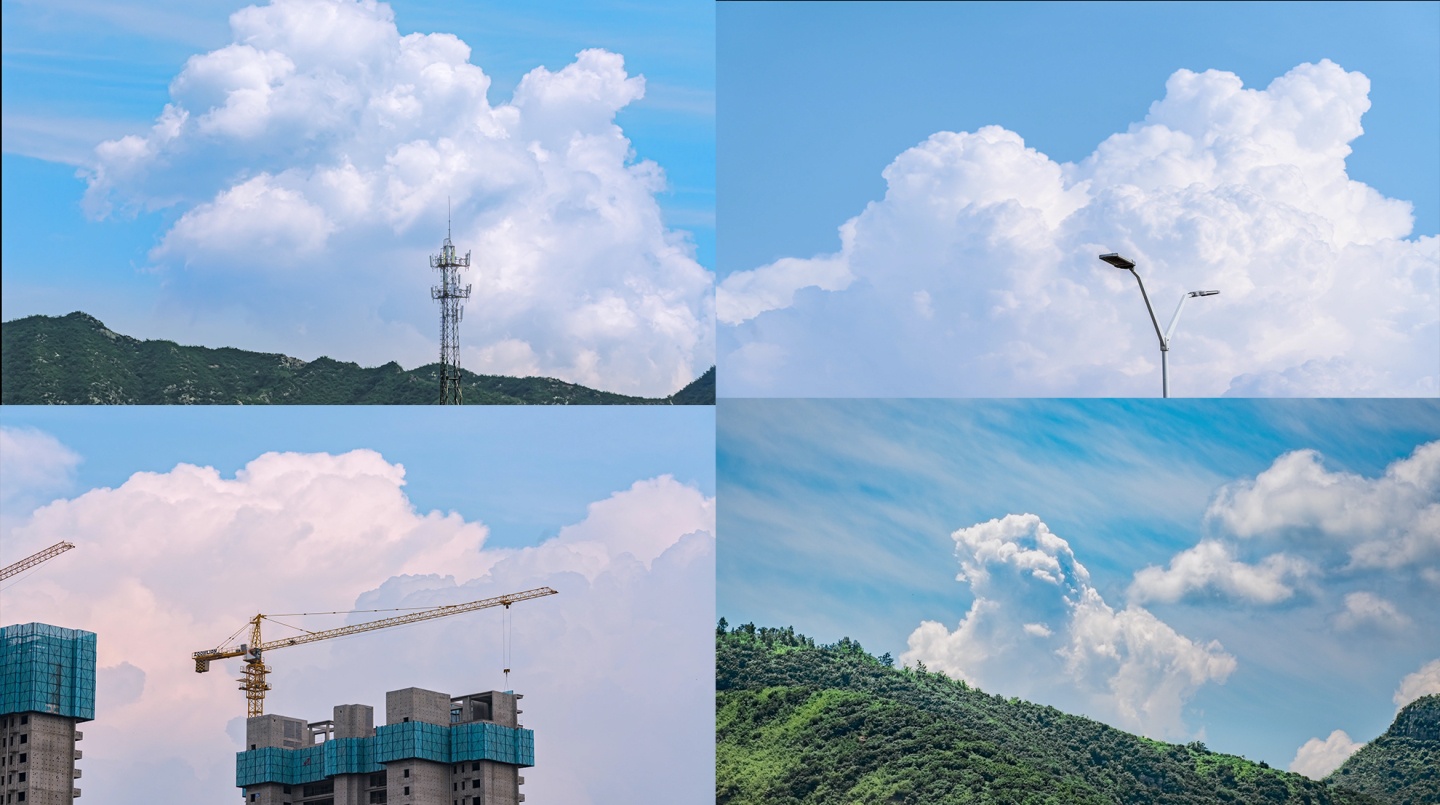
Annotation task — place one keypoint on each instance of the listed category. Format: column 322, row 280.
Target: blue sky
column 837, row 518
column 818, row 101
column 80, row 73
column 613, row 509
column 944, row 289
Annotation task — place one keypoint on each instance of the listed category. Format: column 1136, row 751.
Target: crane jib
column 253, row 682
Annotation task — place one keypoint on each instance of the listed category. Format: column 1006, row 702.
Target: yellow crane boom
column 31, row 561
column 253, row 681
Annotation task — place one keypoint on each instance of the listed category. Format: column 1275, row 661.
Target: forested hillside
column 798, row 722
column 77, row 360
column 1401, row 767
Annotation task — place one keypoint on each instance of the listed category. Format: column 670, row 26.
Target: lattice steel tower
column 449, row 293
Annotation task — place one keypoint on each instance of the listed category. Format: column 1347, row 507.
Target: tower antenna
column 450, row 295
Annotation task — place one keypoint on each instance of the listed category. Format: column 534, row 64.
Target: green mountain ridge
column 77, row 360
column 1401, row 767
column 797, row 722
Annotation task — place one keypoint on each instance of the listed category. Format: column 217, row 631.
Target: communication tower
column 449, row 293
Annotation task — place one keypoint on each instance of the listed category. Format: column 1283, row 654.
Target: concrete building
column 434, row 749
column 47, row 687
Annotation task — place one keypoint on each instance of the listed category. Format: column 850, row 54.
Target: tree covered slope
column 1401, row 767
column 77, row 360
column 801, row 723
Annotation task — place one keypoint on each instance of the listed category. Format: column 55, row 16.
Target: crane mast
column 255, row 670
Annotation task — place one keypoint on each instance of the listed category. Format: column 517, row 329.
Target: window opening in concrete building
column 481, row 710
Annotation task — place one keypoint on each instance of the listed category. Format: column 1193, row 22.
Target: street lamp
column 1129, row 265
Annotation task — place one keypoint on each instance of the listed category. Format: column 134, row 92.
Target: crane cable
column 32, row 572
column 297, row 628
column 349, row 611
column 506, row 636
column 271, row 618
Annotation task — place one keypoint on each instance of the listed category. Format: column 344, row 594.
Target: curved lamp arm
column 1175, row 320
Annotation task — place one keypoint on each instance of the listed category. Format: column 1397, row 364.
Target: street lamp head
column 1117, row 261
column 1205, row 293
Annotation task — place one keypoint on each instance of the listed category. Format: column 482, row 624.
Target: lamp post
column 1129, row 265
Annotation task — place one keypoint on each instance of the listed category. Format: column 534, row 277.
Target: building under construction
column 47, row 688
column 434, row 749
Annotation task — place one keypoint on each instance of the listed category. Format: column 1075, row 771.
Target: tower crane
column 31, row 561
column 255, row 670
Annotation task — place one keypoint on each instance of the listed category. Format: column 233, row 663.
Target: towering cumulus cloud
column 977, row 273
column 312, row 160
column 1037, row 628
column 168, row 563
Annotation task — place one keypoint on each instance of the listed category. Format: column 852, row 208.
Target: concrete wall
column 429, row 783
column 354, row 721
column 417, row 704
column 47, row 743
column 350, row 789
column 481, row 782
column 270, row 794
column 501, row 706
column 499, row 784
column 286, row 732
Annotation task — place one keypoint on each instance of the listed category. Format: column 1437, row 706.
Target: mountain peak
column 1418, row 720
column 1400, row 766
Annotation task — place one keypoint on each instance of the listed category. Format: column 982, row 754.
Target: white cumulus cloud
column 1318, row 758
column 1364, row 610
column 1038, row 628
column 171, row 562
column 1211, row 566
column 313, row 158
column 1300, row 534
column 34, row 467
column 1219, row 187
column 1392, row 521
column 33, row 462
column 1421, row 683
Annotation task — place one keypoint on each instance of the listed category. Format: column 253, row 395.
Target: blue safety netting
column 460, row 743
column 47, row 669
